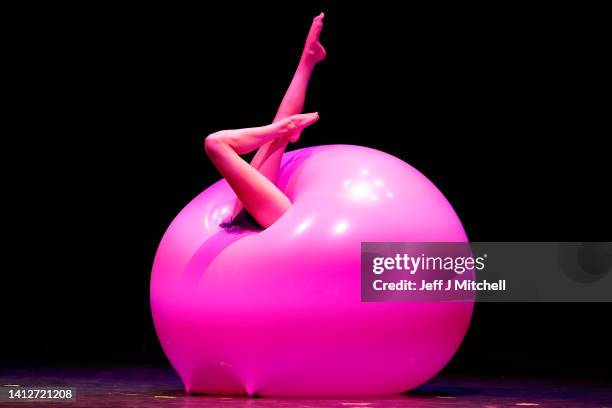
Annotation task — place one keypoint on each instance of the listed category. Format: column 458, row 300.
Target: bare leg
column 268, row 158
column 261, row 198
column 313, row 52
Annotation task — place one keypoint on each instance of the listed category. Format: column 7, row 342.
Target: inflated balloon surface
column 278, row 311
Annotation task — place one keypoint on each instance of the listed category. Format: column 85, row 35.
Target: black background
column 505, row 109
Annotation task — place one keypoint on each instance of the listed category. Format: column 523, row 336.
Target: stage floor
column 157, row 386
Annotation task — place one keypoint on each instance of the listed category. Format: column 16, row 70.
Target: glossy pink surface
column 278, row 312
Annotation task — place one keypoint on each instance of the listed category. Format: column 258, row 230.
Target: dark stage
column 146, row 386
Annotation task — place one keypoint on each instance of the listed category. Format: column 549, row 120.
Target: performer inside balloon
column 255, row 183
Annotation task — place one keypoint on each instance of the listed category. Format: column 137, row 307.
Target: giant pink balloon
column 278, row 311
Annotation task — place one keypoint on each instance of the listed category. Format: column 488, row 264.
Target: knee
column 212, row 143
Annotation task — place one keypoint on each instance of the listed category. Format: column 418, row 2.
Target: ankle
column 307, row 62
